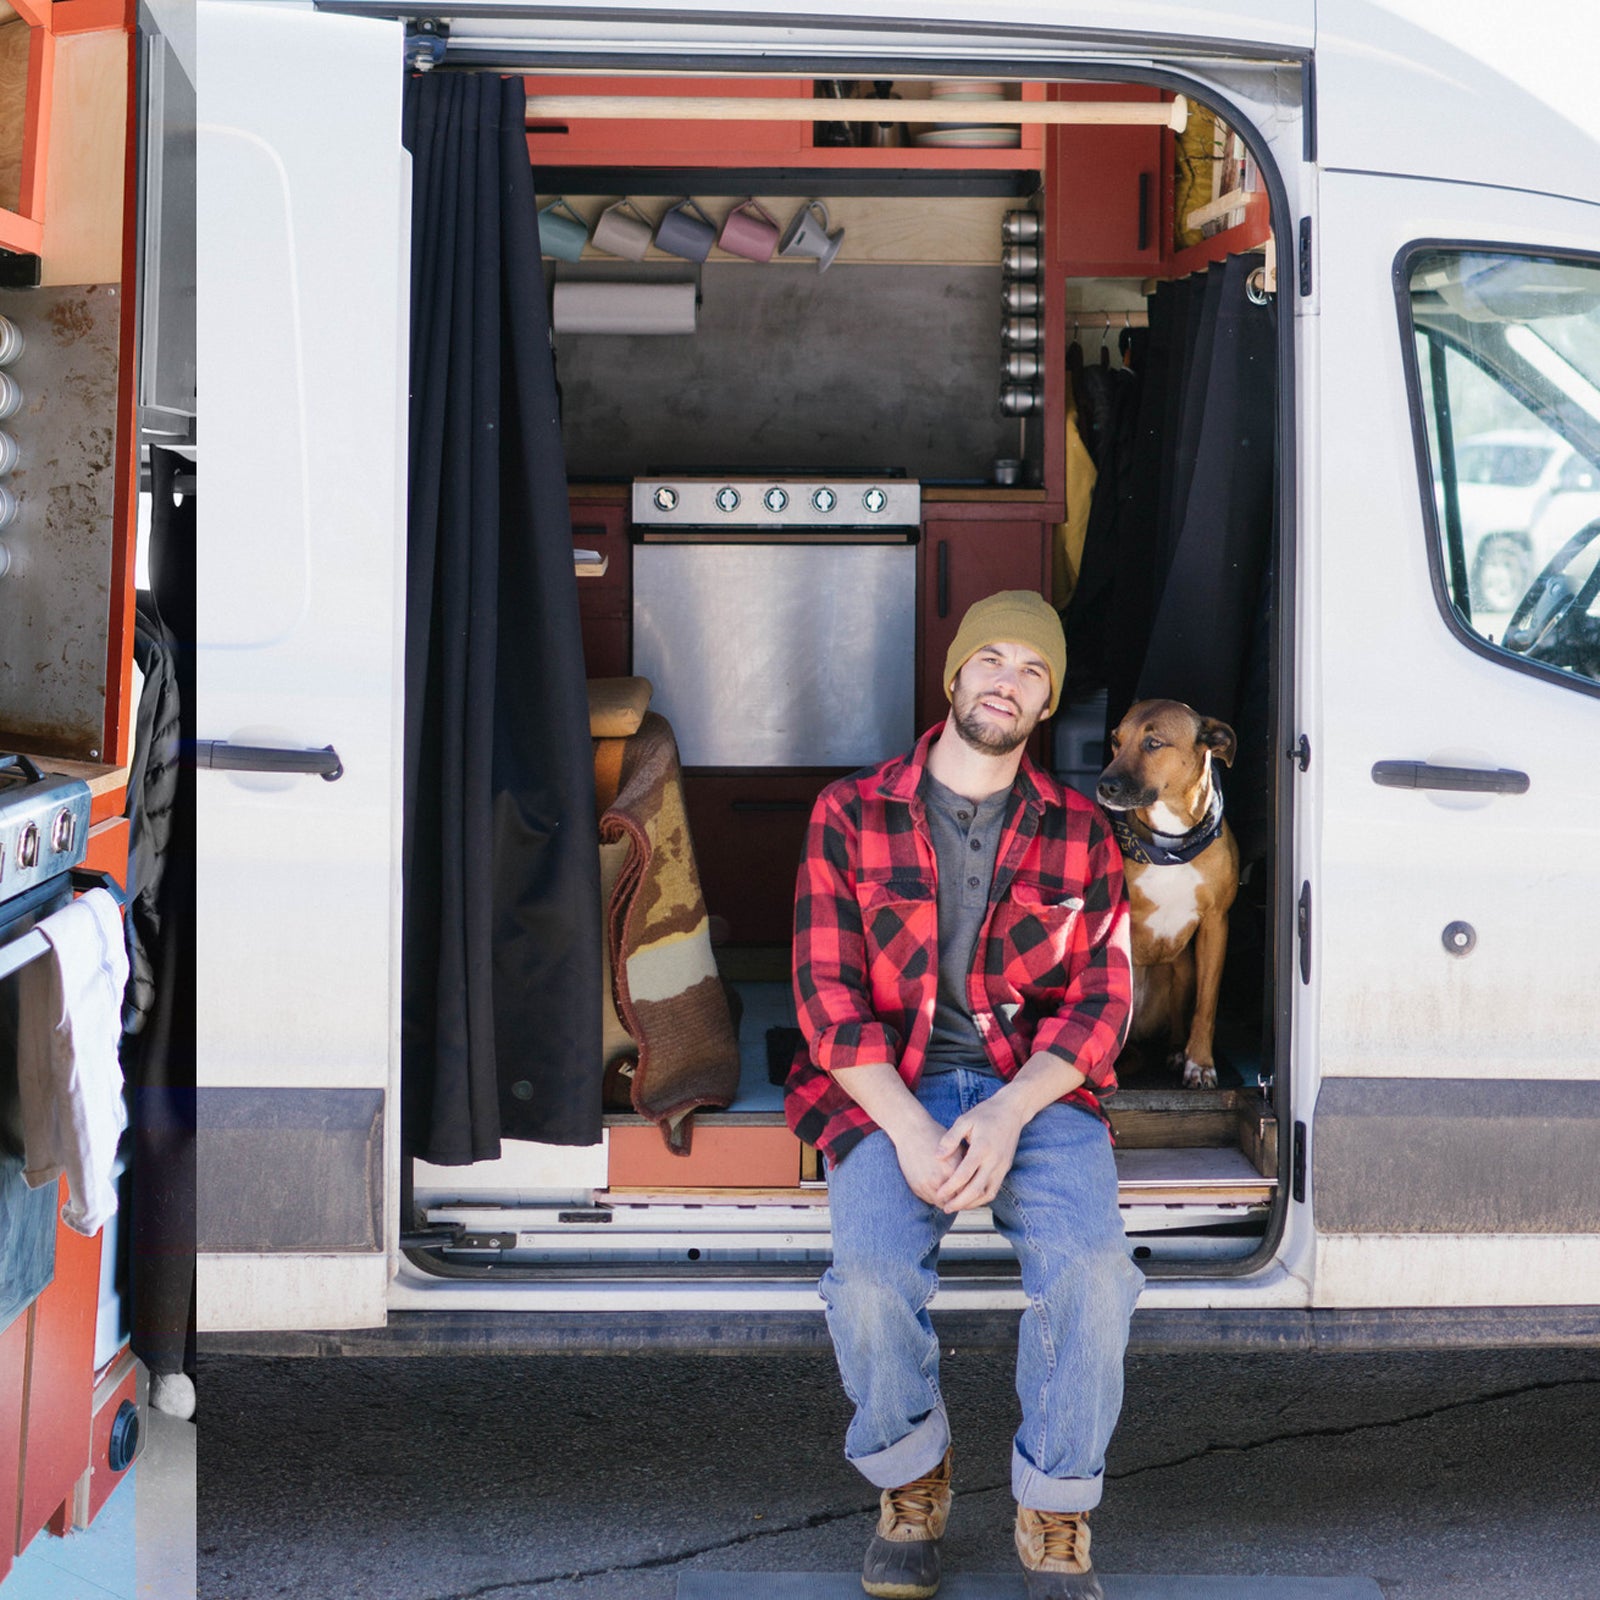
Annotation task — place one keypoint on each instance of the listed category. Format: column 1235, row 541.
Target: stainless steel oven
column 44, row 831
column 776, row 616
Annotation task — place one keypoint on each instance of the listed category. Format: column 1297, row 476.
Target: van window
column 1507, row 351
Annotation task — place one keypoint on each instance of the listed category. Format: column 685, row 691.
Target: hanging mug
column 807, row 235
column 750, row 231
column 1020, row 227
column 623, row 230
column 562, row 236
column 681, row 234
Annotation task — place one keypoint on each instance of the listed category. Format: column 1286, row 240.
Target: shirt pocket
column 1031, row 938
column 900, row 922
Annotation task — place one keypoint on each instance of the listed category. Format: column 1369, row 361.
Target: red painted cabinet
column 604, row 598
column 1110, row 190
column 60, row 1382
column 962, row 560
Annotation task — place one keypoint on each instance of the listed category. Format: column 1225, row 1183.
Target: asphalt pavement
column 1457, row 1476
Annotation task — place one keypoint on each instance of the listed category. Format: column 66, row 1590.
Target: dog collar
column 1151, row 849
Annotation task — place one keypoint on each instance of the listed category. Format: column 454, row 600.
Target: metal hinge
column 1300, row 753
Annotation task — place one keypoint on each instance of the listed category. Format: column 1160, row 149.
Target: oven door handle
column 84, row 879
column 219, row 755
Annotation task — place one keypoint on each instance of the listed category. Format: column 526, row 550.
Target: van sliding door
column 304, row 213
column 1456, row 741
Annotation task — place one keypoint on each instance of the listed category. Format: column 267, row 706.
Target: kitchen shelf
column 925, row 174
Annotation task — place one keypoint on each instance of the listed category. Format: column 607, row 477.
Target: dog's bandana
column 1151, row 849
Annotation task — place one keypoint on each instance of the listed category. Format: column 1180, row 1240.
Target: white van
column 1402, row 1149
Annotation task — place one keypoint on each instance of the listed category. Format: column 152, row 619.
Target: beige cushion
column 617, row 706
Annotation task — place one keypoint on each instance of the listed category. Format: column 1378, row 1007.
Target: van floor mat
column 1009, row 1586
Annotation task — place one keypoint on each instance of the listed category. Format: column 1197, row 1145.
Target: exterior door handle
column 1424, row 775
column 222, row 756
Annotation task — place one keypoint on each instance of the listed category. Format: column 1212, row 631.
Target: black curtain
column 158, row 1045
column 501, row 988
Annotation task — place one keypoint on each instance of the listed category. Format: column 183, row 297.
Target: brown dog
column 1182, row 868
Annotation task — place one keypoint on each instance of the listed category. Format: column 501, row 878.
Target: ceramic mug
column 562, row 236
column 807, row 235
column 623, row 230
column 750, row 231
column 680, row 234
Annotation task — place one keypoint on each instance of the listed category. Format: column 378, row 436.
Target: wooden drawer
column 604, row 599
column 721, row 1156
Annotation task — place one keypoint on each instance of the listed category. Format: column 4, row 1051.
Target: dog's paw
column 1196, row 1076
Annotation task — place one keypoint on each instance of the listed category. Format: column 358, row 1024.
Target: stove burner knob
column 28, row 846
column 728, row 498
column 666, row 499
column 775, row 499
column 824, row 499
column 61, row 831
column 874, row 500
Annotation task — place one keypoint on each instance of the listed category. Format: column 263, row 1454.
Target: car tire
column 1500, row 574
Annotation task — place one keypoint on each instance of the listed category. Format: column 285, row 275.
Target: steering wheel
column 1552, row 622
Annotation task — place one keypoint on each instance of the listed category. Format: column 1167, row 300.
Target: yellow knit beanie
column 1014, row 616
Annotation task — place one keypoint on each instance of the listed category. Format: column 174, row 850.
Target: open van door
column 304, row 211
column 1446, row 924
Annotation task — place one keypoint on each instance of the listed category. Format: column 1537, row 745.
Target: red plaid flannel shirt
column 1051, row 968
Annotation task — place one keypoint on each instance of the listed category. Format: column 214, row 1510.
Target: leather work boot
column 902, row 1562
column 1054, row 1549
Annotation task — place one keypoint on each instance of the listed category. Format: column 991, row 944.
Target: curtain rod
column 735, row 108
column 1107, row 319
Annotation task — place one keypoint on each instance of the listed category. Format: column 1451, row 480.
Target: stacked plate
column 964, row 136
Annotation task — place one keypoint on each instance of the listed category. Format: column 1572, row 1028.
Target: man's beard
column 988, row 738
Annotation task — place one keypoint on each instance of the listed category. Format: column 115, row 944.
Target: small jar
column 1020, row 227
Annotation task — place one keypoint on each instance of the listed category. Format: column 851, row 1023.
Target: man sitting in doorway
column 963, row 981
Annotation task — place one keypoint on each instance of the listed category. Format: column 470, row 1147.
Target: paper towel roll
column 625, row 308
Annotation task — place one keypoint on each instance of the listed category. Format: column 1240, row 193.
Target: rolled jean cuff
column 1031, row 1488
column 919, row 1452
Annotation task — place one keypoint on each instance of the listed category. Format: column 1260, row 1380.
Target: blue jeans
column 1058, row 1209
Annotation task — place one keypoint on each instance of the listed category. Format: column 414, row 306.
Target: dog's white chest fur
column 1171, row 904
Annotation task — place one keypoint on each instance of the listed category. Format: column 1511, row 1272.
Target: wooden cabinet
column 1109, row 205
column 963, row 558
column 748, row 827
column 604, row 598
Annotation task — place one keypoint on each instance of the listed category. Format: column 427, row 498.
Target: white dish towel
column 69, row 1026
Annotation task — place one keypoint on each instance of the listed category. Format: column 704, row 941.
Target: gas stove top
column 803, row 502
column 44, row 825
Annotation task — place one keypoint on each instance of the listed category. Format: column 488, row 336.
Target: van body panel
column 237, row 1292
column 248, row 1140
column 304, row 212
column 1457, row 1155
column 1513, row 1022
column 1420, row 1269
column 1460, row 71
column 1253, row 29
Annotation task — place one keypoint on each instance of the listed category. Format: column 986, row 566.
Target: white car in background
column 1523, row 493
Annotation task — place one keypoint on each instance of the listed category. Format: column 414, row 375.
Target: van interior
column 1044, row 354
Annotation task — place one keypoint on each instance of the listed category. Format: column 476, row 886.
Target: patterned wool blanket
column 664, row 979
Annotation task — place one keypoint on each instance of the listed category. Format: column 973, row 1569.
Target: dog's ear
column 1218, row 738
